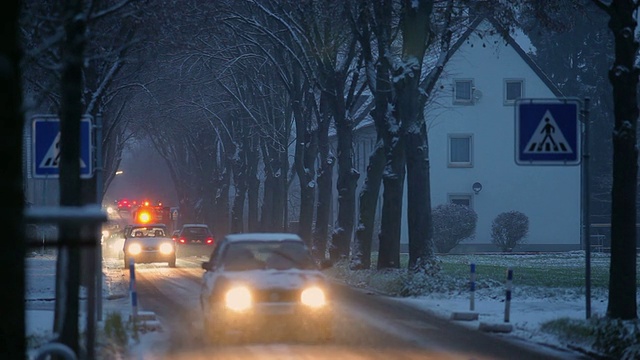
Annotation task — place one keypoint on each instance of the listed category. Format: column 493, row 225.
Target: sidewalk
column 40, row 275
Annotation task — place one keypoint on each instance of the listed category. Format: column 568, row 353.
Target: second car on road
column 148, row 244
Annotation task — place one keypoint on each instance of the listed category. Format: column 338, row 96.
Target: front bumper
column 271, row 318
column 151, row 256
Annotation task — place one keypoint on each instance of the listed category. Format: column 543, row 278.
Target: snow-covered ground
column 529, row 307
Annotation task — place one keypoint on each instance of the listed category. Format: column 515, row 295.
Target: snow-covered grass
column 548, row 303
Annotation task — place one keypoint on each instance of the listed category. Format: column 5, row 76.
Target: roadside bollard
column 471, row 315
column 472, row 285
column 507, row 303
column 132, row 289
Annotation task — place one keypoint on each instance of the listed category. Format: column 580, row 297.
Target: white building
column 471, row 129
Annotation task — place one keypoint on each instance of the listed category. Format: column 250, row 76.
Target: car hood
column 271, row 279
column 148, row 241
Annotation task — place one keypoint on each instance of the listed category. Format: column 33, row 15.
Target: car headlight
column 238, row 299
column 135, row 249
column 166, row 248
column 313, row 297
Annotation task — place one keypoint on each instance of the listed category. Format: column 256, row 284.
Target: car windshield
column 195, row 231
column 276, row 255
column 150, row 231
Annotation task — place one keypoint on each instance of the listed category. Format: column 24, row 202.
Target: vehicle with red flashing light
column 148, row 243
column 195, row 240
column 148, row 213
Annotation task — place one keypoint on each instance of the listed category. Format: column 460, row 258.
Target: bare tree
column 624, row 79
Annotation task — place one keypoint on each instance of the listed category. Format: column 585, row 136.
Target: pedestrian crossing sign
column 46, row 147
column 547, row 132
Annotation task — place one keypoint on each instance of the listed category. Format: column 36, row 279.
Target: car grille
column 276, row 295
column 150, row 248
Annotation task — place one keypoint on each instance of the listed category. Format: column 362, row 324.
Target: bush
column 509, row 229
column 452, row 223
column 617, row 338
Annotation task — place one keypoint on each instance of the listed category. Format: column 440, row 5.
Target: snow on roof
column 195, row 225
column 263, row 237
column 147, row 225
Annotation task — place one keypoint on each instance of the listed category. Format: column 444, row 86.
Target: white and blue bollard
column 472, row 288
column 132, row 289
column 507, row 303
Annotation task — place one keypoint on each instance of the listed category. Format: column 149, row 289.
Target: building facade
column 472, row 132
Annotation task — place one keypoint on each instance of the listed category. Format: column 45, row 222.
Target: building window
column 460, row 199
column 462, row 91
column 513, row 89
column 460, row 150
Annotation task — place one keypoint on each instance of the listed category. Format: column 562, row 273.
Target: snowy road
column 368, row 326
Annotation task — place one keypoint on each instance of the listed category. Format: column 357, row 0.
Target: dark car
column 264, row 285
column 195, row 240
column 112, row 244
column 147, row 244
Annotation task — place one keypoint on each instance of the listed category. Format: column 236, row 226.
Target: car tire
column 172, row 262
column 126, row 262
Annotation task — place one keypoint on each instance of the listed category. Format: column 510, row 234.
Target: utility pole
column 70, row 115
column 12, row 327
column 586, row 223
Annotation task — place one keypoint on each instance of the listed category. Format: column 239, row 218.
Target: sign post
column 556, row 132
column 46, row 147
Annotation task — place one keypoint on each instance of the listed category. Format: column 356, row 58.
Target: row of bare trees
column 273, row 78
column 288, row 77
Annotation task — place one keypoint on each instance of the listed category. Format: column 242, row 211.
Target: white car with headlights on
column 262, row 285
column 149, row 244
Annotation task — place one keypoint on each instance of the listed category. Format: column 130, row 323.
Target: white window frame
column 459, row 164
column 463, row 101
column 460, row 196
column 508, row 101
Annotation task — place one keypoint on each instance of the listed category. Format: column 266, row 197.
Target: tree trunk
column 12, row 327
column 624, row 78
column 304, row 156
column 347, row 182
column 325, row 189
column 408, row 108
column 281, row 198
column 361, row 257
column 222, row 204
column 421, row 248
column 266, row 219
column 253, row 183
column 393, row 181
column 240, row 184
column 70, row 114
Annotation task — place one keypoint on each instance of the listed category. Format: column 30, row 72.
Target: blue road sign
column 548, row 132
column 46, row 147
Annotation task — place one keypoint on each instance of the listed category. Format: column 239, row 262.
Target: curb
column 499, row 328
column 464, row 316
